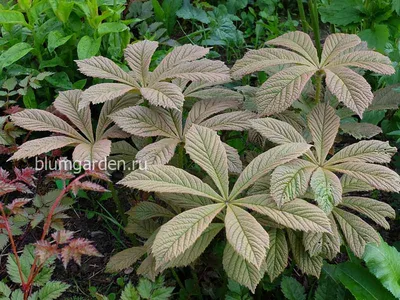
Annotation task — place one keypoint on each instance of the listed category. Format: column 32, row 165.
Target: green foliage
column 384, row 262
column 292, row 289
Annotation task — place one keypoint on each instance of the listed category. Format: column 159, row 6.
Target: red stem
column 13, row 247
column 35, row 269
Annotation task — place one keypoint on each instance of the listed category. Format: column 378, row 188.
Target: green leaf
column 12, row 17
column 396, row 6
column 189, row 12
column 292, row 289
column 88, row 47
column 376, row 37
column 17, row 295
column 29, row 99
column 13, row 54
column 60, row 80
column 129, row 293
column 56, row 39
column 342, row 12
column 111, row 27
column 384, row 262
column 362, row 284
column 144, row 288
column 4, row 291
column 52, row 290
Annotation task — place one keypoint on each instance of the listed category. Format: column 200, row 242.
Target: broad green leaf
column 376, row 37
column 292, row 289
column 240, row 270
column 168, row 179
column 88, row 47
column 190, row 12
column 266, row 162
column 111, row 27
column 56, row 39
column 277, row 254
column 206, row 149
column 12, row 17
column 384, row 262
column 181, row 232
column 13, row 54
column 341, row 12
column 246, row 235
column 5, row 291
column 361, row 283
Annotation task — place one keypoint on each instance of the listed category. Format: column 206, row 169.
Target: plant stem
column 303, row 19
column 177, row 279
column 181, row 155
column 318, row 86
column 118, row 203
column 13, row 247
column 312, row 4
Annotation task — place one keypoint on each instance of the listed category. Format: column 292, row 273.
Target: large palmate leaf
column 377, row 211
column 365, row 151
column 356, row 232
column 299, row 42
column 103, row 92
column 142, row 121
column 337, row 43
column 158, row 153
column 324, row 125
column 138, row 57
column 102, row 67
column 67, row 103
column 277, row 254
column 282, row 89
column 310, row 265
column 368, row 60
column 206, row 149
column 327, row 189
column 384, row 262
column 265, row 162
column 377, row 176
column 204, row 109
column 240, row 270
column 40, row 120
column 246, row 235
column 236, row 120
column 163, row 94
column 182, row 231
column 276, row 131
column 43, row 145
column 96, row 152
column 168, row 179
column 291, row 180
column 261, row 59
column 350, row 88
column 194, row 251
column 297, row 214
